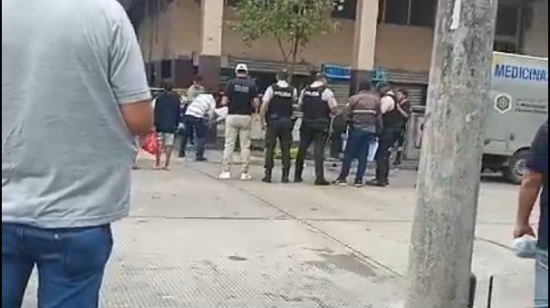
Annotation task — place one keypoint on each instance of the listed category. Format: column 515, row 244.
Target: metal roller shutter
column 417, row 95
column 341, row 92
column 407, row 77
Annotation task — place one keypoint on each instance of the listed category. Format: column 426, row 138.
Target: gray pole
column 442, row 238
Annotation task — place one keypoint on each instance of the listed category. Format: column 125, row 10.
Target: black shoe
column 377, row 183
column 321, row 182
column 285, row 176
column 267, row 177
column 397, row 161
column 201, row 159
column 358, row 184
column 181, row 155
column 340, row 181
column 298, row 179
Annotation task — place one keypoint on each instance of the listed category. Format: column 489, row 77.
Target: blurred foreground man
column 74, row 95
column 535, row 181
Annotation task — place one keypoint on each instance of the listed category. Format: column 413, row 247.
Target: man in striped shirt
column 196, row 118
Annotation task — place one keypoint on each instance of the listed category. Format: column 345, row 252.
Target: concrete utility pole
column 448, row 184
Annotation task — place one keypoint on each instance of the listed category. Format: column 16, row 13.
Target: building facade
column 182, row 37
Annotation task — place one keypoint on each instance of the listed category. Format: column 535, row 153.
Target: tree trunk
column 441, row 247
column 294, row 56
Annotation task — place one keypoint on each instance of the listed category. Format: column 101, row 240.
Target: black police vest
column 313, row 105
column 393, row 118
column 280, row 106
column 240, row 96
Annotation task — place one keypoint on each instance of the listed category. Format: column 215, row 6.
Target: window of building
column 381, row 9
column 504, row 46
column 423, row 13
column 345, row 9
column 507, row 19
column 166, row 69
column 420, row 13
column 396, row 12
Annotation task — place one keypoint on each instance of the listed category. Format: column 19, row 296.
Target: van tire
column 516, row 167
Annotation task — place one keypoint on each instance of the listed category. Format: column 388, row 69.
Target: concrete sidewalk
column 194, row 241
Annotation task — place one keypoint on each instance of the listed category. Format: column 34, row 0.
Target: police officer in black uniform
column 318, row 105
column 392, row 120
column 276, row 112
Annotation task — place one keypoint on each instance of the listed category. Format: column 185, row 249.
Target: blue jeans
column 541, row 280
column 195, row 127
column 357, row 147
column 70, row 264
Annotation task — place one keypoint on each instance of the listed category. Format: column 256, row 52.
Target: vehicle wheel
column 517, row 167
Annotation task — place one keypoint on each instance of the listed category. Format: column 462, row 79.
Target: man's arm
column 256, row 101
column 387, row 103
column 328, row 96
column 226, row 93
column 403, row 110
column 295, row 96
column 211, row 111
column 348, row 110
column 300, row 101
column 128, row 79
column 531, row 185
column 268, row 95
column 379, row 117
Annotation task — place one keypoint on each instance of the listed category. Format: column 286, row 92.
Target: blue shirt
column 538, row 162
column 67, row 67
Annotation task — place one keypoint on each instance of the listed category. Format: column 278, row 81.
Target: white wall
column 535, row 40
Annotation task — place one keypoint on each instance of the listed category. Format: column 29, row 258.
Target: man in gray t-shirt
column 74, row 95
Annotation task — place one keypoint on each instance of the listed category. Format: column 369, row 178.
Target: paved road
column 193, row 241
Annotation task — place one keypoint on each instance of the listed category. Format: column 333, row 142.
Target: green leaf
column 292, row 23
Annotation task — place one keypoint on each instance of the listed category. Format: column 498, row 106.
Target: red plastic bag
column 150, row 144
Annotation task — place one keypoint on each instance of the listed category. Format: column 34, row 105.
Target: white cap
column 241, row 67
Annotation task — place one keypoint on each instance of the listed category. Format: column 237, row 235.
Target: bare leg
column 168, row 150
column 168, row 147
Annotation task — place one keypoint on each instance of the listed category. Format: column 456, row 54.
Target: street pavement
column 194, row 241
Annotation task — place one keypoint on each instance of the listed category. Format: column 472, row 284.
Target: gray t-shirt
column 67, row 66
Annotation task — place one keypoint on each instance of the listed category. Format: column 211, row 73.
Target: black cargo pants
column 313, row 132
column 281, row 130
column 386, row 140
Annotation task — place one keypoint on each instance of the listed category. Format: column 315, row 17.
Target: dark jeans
column 199, row 128
column 336, row 144
column 357, row 147
column 70, row 263
column 280, row 129
column 385, row 143
column 316, row 133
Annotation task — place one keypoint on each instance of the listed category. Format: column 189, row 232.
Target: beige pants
column 237, row 126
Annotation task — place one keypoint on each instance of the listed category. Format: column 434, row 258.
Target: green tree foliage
column 292, row 23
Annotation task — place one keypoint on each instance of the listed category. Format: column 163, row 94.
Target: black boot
column 267, row 176
column 298, row 175
column 377, row 183
column 285, row 176
column 321, row 182
column 397, row 160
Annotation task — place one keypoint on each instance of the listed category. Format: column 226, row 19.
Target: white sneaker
column 246, row 177
column 225, row 176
